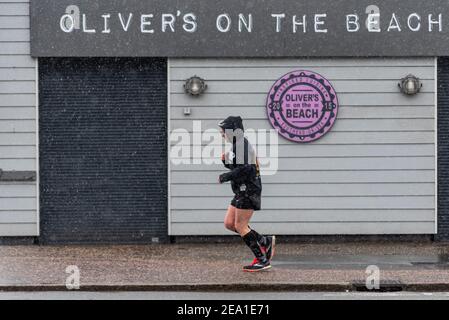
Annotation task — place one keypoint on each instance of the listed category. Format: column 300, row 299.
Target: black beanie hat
column 232, row 122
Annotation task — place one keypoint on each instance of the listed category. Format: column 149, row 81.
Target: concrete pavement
column 217, row 267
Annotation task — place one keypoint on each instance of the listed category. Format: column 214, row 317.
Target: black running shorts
column 243, row 201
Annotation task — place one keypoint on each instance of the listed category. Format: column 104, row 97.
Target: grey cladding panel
column 18, row 204
column 373, row 173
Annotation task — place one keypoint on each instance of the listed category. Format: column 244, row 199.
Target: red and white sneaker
column 257, row 265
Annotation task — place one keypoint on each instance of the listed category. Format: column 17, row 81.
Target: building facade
column 87, row 140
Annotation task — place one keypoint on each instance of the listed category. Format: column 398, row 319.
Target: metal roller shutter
column 103, row 150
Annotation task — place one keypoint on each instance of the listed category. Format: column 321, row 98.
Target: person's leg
column 262, row 239
column 242, row 217
column 242, row 224
column 230, row 224
column 229, row 220
column 249, row 236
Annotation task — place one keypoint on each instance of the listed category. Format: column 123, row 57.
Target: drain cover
column 384, row 286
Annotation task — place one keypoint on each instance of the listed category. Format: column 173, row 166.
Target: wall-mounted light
column 195, row 86
column 410, row 85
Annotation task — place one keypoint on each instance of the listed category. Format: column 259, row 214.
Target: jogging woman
column 246, row 184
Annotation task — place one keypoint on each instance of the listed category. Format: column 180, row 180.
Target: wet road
column 222, row 296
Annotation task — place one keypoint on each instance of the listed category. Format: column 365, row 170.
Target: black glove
column 224, row 177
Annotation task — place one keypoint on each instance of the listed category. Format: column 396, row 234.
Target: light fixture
column 195, row 86
column 410, row 85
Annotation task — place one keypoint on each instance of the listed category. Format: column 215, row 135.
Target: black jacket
column 244, row 175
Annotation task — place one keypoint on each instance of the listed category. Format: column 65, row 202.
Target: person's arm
column 238, row 174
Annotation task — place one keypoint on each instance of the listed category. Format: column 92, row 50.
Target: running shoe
column 257, row 265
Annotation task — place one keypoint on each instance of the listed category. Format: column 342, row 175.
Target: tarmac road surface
column 166, row 295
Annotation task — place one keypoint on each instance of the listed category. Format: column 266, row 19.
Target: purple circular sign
column 302, row 106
